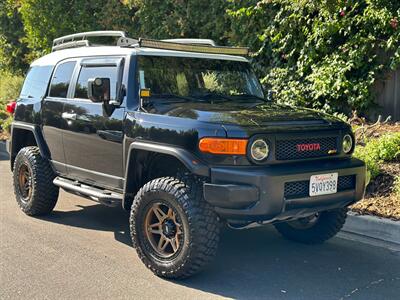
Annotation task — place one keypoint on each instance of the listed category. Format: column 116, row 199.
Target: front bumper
column 260, row 194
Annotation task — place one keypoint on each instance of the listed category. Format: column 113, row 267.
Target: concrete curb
column 373, row 229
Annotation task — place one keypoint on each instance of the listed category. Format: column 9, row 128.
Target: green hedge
column 377, row 151
column 10, row 87
column 322, row 54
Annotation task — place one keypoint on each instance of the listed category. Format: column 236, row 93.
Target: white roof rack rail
column 80, row 39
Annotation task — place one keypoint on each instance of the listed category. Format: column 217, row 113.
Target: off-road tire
column 199, row 221
column 44, row 193
column 327, row 225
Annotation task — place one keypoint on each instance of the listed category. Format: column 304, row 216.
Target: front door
column 93, row 137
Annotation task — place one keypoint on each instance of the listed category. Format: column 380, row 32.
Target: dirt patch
column 380, row 199
column 387, row 207
column 382, row 185
column 374, row 131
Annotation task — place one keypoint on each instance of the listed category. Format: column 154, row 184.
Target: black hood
column 248, row 115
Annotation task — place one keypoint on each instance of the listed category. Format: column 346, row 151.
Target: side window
column 36, row 81
column 88, row 72
column 61, row 79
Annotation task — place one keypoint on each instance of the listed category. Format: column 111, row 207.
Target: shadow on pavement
column 259, row 263
column 3, row 153
column 96, row 217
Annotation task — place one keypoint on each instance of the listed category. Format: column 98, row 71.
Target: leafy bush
column 376, row 151
column 322, row 54
column 10, row 87
column 369, row 158
column 388, row 147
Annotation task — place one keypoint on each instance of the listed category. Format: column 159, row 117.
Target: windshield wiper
column 208, row 96
column 172, row 97
column 247, row 96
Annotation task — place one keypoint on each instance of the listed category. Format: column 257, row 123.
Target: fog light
column 347, row 143
column 259, row 150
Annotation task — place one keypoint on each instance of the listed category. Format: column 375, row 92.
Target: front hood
column 249, row 115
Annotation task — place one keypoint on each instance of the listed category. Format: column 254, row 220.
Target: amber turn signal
column 144, row 93
column 223, row 146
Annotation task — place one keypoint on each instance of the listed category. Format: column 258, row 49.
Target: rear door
column 52, row 109
column 93, row 136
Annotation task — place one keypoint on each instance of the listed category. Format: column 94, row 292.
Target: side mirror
column 99, row 89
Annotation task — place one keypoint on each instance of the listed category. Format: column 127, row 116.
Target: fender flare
column 190, row 161
column 37, row 134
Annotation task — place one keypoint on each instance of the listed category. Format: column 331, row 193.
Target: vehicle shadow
column 259, row 264
column 3, row 153
column 95, row 217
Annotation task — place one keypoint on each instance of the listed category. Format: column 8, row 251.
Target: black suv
column 180, row 133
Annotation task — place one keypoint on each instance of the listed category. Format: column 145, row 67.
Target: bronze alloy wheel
column 25, row 182
column 163, row 230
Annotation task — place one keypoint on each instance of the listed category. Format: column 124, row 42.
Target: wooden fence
column 387, row 91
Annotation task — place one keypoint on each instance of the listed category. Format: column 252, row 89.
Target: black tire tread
column 327, row 226
column 45, row 193
column 203, row 224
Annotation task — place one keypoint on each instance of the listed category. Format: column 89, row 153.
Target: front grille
column 300, row 189
column 288, row 149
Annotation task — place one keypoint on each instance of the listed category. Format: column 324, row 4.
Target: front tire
column 315, row 229
column 33, row 182
column 174, row 230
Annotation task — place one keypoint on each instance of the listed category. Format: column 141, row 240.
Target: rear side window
column 88, row 72
column 61, row 79
column 36, row 81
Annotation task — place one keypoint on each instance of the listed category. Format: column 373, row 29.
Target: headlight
column 259, row 150
column 347, row 144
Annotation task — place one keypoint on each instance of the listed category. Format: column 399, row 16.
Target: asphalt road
column 83, row 251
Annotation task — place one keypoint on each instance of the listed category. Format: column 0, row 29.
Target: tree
column 45, row 20
column 181, row 19
column 13, row 49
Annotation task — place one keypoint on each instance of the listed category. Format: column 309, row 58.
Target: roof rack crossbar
column 82, row 36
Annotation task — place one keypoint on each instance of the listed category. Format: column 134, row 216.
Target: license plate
column 323, row 184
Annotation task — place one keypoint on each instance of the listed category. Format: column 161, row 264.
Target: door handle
column 68, row 116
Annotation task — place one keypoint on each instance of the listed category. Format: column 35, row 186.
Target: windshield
column 183, row 79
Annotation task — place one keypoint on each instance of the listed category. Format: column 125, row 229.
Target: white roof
column 54, row 57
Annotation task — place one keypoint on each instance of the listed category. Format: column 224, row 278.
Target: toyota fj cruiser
column 180, row 133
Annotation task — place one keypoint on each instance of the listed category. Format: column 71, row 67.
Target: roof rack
column 188, row 45
column 80, row 39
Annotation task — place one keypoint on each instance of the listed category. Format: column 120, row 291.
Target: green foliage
column 322, row 54
column 45, row 20
column 13, row 51
column 388, row 147
column 5, row 121
column 376, row 151
column 369, row 158
column 177, row 18
column 10, row 86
